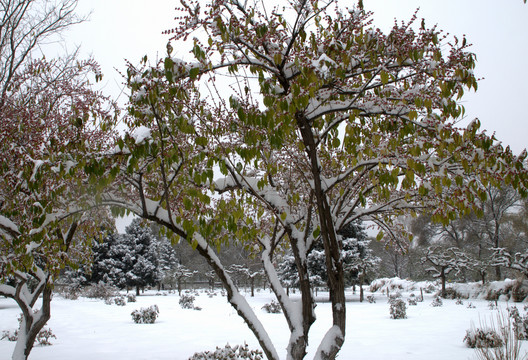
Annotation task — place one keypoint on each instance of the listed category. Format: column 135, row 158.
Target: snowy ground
column 87, row 329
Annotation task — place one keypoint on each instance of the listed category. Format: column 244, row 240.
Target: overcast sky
column 498, row 30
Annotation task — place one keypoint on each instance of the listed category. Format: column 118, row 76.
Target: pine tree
column 140, row 263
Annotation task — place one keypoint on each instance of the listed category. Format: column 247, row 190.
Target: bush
column 459, row 301
column 238, row 352
column 471, row 306
column 397, row 308
column 452, row 293
column 100, row 291
column 70, row 292
column 520, row 323
column 145, row 315
column 187, row 302
column 437, row 301
column 273, row 307
column 497, row 342
column 482, row 338
column 519, row 292
column 9, row 335
column 44, row 336
column 412, row 301
column 131, row 298
column 371, row 299
column 120, row 300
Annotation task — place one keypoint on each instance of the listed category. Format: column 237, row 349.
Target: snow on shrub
column 43, row 337
column 100, row 291
column 145, row 315
column 273, row 307
column 120, row 300
column 437, row 302
column 237, row 352
column 459, row 301
column 520, row 323
column 397, row 308
column 412, row 301
column 498, row 341
column 9, row 335
column 187, row 302
column 371, row 299
column 482, row 338
column 131, row 297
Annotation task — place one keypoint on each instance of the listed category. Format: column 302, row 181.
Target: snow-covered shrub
column 273, row 307
column 452, row 293
column 479, row 338
column 109, row 301
column 71, row 292
column 371, row 299
column 237, row 352
column 145, row 315
column 397, row 308
column 520, row 323
column 430, row 288
column 519, row 292
column 9, row 335
column 471, row 306
column 498, row 341
column 44, row 336
column 437, row 301
column 412, row 301
column 100, row 291
column 459, row 301
column 120, row 300
column 187, row 301
column 131, row 297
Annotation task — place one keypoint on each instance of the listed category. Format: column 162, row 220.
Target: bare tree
column 24, row 26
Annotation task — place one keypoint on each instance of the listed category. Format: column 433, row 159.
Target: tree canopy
column 289, row 123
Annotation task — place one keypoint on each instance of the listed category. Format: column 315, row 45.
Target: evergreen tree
column 357, row 258
column 140, row 262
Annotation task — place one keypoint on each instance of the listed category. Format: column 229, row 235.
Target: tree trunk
column 335, row 337
column 31, row 325
column 361, row 289
column 443, row 279
column 137, row 290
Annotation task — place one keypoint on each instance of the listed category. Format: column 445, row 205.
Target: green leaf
column 193, row 73
column 384, row 76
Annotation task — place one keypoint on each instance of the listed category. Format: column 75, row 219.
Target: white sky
column 498, row 30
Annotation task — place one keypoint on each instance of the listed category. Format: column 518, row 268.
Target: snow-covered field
column 88, row 329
